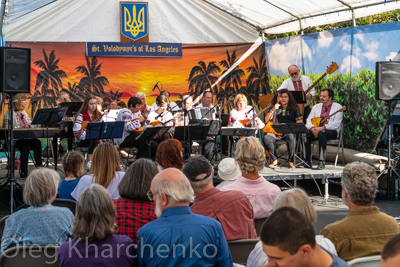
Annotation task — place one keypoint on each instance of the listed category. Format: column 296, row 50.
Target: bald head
column 173, row 183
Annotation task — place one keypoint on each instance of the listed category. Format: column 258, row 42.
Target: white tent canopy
column 184, row 21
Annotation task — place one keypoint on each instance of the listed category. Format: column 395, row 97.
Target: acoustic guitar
column 248, row 122
column 319, row 122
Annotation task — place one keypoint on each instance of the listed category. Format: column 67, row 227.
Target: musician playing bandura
column 87, row 113
column 298, row 82
column 21, row 120
column 242, row 113
column 133, row 122
column 285, row 111
column 327, row 132
column 161, row 115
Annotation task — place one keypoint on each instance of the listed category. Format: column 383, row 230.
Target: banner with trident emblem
column 134, row 21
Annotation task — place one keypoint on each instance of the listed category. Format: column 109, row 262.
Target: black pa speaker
column 387, row 80
column 15, row 70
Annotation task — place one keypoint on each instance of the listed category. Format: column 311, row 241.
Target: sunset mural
column 129, row 75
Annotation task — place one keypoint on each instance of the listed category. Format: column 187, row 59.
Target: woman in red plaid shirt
column 134, row 209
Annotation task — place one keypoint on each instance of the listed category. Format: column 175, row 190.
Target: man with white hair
column 231, row 208
column 298, row 82
column 365, row 230
column 179, row 237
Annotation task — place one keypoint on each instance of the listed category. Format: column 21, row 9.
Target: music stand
column 73, row 107
column 229, row 131
column 291, row 128
column 49, row 116
column 197, row 132
column 104, row 130
column 148, row 134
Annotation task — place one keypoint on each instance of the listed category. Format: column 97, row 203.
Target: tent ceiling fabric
column 178, row 21
column 278, row 16
column 182, row 21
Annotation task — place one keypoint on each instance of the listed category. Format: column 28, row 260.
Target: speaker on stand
column 388, row 88
column 15, row 77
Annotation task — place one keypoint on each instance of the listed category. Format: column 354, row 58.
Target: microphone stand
column 184, row 123
column 253, row 123
column 220, row 124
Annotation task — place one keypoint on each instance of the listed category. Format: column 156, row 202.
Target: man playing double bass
column 326, row 109
column 298, row 82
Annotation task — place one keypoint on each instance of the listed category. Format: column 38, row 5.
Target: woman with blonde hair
column 95, row 243
column 299, row 200
column 250, row 157
column 105, row 171
column 40, row 223
column 21, row 119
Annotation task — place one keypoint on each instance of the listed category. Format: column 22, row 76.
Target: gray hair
column 250, row 155
column 178, row 189
column 40, row 187
column 202, row 183
column 137, row 179
column 140, row 94
column 95, row 214
column 360, row 183
column 298, row 199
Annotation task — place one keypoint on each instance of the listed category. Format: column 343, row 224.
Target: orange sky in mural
column 133, row 74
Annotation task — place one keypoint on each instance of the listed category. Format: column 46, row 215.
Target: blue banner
column 127, row 49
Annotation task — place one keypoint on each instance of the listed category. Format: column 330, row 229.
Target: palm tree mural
column 75, row 94
column 113, row 96
column 233, row 78
column 48, row 80
column 202, row 77
column 257, row 81
column 93, row 82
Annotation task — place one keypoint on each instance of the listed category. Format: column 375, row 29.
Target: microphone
column 155, row 86
column 159, row 115
column 248, row 112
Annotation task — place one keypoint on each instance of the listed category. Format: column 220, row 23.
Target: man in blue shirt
column 179, row 237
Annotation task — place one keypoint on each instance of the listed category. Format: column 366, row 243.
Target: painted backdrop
column 355, row 50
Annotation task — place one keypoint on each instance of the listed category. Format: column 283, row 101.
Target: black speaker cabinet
column 387, row 80
column 15, row 70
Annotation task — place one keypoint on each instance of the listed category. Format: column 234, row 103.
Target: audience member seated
column 73, row 166
column 250, row 156
column 169, row 154
column 105, row 171
column 40, row 223
column 134, row 209
column 288, row 239
column 391, row 253
column 365, row 230
column 179, row 237
column 228, row 171
column 95, row 243
column 298, row 199
column 231, row 208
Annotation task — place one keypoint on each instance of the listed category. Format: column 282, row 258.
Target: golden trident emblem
column 134, row 24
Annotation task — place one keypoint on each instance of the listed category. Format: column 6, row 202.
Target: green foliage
column 365, row 117
column 385, row 17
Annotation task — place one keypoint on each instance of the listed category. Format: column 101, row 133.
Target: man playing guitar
column 326, row 109
column 133, row 120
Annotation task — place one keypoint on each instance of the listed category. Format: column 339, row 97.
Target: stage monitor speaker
column 15, row 70
column 387, row 80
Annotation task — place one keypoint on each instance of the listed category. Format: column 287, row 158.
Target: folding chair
column 65, row 203
column 258, row 223
column 33, row 256
column 338, row 142
column 241, row 248
column 370, row 261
